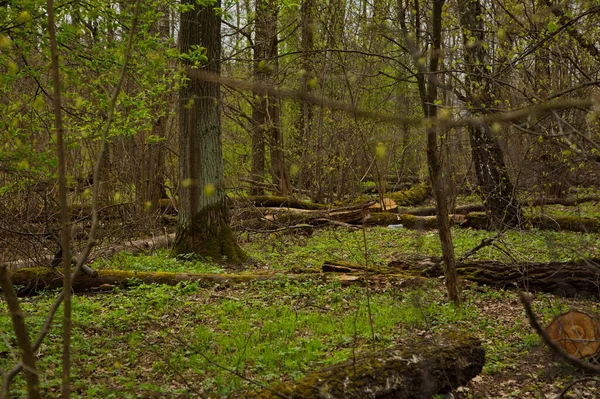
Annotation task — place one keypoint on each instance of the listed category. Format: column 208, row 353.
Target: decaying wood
column 563, row 201
column 465, row 209
column 572, row 360
column 572, row 279
column 36, row 279
column 276, row 202
column 385, row 205
column 339, row 266
column 416, row 369
column 478, row 220
column 271, row 217
column 576, row 332
column 431, row 211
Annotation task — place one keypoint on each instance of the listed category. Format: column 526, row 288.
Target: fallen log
column 33, row 280
column 479, row 220
column 576, row 332
column 292, row 216
column 465, row 209
column 277, row 202
column 563, row 201
column 414, row 196
column 432, row 211
column 40, row 278
column 417, row 369
column 389, row 188
column 408, row 221
column 579, row 278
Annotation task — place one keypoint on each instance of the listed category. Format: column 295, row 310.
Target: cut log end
column 576, row 332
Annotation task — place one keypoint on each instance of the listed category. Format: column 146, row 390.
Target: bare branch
column 572, row 360
column 306, row 96
column 16, row 314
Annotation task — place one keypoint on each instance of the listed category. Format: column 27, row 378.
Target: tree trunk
column 496, row 188
column 203, row 226
column 305, row 119
column 429, row 95
column 266, row 109
column 418, row 369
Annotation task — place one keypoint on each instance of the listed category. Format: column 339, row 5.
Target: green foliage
column 160, row 261
column 149, row 339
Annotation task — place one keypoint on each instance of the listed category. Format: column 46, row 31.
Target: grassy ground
column 189, row 341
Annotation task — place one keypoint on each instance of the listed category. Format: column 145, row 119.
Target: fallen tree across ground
column 36, row 279
column 571, row 279
column 32, row 280
column 416, row 369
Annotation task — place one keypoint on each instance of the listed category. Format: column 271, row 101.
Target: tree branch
column 18, row 320
column 572, row 360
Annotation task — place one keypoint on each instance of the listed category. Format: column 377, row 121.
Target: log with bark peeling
column 417, row 369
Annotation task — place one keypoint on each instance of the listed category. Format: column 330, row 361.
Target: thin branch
column 65, row 241
column 18, row 320
column 95, row 221
column 572, row 360
column 306, row 96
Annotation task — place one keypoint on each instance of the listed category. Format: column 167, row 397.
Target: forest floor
column 156, row 341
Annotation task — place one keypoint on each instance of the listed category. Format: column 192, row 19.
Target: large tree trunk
column 495, row 185
column 414, row 370
column 203, row 225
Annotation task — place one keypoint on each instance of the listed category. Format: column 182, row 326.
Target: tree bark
column 418, row 369
column 429, row 94
column 266, row 109
column 20, row 329
column 497, row 191
column 203, row 225
column 305, row 119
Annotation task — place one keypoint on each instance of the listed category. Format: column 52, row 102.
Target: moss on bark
column 417, row 369
column 416, row 195
column 208, row 234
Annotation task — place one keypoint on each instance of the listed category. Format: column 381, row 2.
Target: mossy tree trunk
column 203, row 225
column 495, row 185
column 415, row 370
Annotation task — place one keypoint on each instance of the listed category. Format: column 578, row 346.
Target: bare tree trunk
column 305, row 119
column 496, row 187
column 153, row 173
column 203, row 226
column 428, row 92
column 64, row 208
column 266, row 110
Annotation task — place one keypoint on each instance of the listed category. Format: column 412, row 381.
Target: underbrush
column 155, row 341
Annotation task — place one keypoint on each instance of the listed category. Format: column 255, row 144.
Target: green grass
column 163, row 335
column 157, row 341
